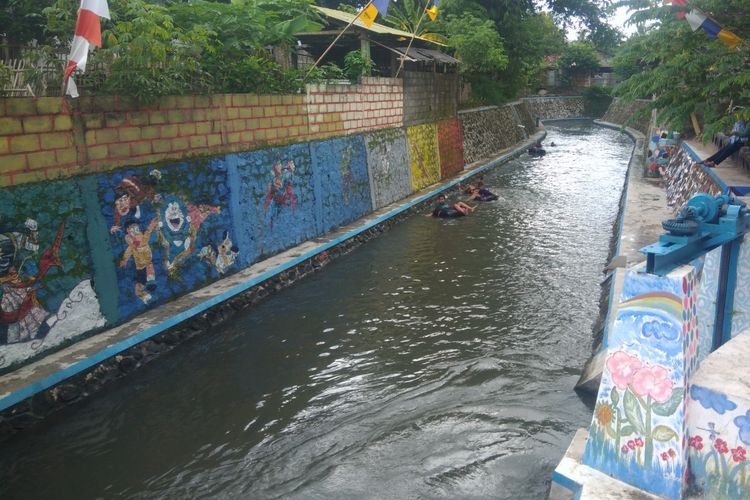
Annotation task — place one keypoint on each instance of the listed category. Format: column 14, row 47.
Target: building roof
column 346, row 17
column 427, row 55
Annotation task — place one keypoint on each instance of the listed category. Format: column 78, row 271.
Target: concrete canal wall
column 158, row 202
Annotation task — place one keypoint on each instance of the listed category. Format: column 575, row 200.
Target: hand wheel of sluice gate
column 705, row 208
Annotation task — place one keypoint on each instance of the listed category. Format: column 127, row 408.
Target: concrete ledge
column 206, row 307
column 572, row 479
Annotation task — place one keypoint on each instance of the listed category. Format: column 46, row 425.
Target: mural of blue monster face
column 174, row 232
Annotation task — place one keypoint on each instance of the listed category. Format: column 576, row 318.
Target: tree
column 686, row 71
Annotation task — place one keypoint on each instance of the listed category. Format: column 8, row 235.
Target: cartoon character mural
column 130, row 193
column 280, row 192
column 221, row 257
column 140, row 251
column 181, row 208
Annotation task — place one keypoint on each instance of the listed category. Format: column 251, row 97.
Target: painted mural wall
column 719, row 425
column 46, row 274
column 450, row 148
column 741, row 310
column 342, row 184
column 169, row 229
column 639, row 421
column 388, row 166
column 423, row 155
column 80, row 255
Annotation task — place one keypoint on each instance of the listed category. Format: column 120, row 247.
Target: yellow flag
column 369, row 14
column 729, row 39
column 432, row 12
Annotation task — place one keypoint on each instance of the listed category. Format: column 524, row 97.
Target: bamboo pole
column 413, row 36
column 335, row 40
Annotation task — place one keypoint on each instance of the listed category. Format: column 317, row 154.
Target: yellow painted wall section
column 424, row 159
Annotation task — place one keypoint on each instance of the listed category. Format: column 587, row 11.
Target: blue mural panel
column 46, row 291
column 275, row 194
column 342, row 183
column 170, row 230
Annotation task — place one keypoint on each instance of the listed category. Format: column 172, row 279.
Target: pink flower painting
column 653, row 381
column 622, row 366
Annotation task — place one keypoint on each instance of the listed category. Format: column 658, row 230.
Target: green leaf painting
column 663, row 433
column 633, row 411
column 670, row 406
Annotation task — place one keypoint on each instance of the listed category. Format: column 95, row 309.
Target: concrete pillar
column 637, row 435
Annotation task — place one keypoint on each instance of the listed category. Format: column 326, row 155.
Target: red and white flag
column 88, row 32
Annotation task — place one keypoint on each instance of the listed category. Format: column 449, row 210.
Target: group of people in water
column 478, row 192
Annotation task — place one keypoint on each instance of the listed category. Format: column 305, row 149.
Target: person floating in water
column 445, row 210
column 552, row 144
column 480, row 193
column 537, row 150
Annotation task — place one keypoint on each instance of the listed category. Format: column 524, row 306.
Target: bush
column 356, row 65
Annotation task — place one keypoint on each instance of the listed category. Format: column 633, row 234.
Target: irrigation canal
column 437, row 361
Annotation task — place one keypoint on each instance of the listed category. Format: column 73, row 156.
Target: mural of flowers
column 721, row 468
column 646, row 391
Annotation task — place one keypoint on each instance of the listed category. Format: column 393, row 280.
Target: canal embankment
column 112, row 252
column 682, row 324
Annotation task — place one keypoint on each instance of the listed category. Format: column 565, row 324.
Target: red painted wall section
column 451, row 148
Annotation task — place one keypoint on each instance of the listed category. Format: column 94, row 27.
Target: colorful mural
column 46, row 293
column 273, row 205
column 639, row 421
column 423, row 155
column 741, row 310
column 388, row 166
column 164, row 225
column 718, row 442
column 342, row 186
column 450, row 146
column 707, row 302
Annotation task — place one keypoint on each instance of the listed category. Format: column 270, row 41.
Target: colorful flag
column 371, row 11
column 729, row 39
column 432, row 12
column 698, row 19
column 88, row 32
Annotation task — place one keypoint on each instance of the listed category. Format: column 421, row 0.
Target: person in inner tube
column 445, row 210
column 480, row 193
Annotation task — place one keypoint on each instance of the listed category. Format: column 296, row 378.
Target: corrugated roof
column 427, row 55
column 345, row 17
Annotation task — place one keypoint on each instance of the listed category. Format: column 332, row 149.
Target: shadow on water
column 436, row 361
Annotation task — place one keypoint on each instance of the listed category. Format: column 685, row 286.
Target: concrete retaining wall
column 85, row 254
column 621, row 112
column 488, row 130
column 429, row 97
column 548, row 108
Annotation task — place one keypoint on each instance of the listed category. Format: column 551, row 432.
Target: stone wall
column 550, row 108
column 488, row 130
column 621, row 113
column 429, row 97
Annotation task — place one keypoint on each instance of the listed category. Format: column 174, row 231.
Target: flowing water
column 437, row 361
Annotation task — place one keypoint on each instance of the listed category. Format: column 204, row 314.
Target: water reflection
column 435, row 361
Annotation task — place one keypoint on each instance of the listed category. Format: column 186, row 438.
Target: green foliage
column 596, row 100
column 685, row 70
column 151, row 50
column 356, row 65
column 477, row 44
column 578, row 56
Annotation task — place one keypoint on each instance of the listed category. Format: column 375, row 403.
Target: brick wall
column 41, row 141
column 429, row 97
column 336, row 109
